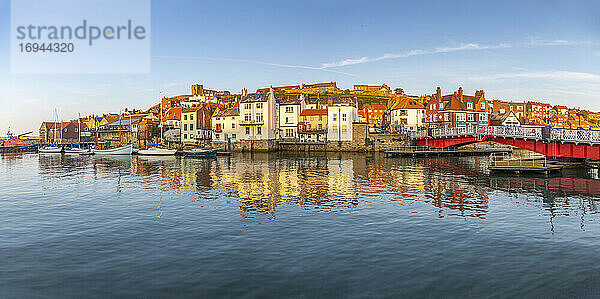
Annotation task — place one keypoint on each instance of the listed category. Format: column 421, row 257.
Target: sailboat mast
column 161, row 120
column 79, row 128
column 120, row 140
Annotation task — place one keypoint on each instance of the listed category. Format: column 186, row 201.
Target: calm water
column 279, row 226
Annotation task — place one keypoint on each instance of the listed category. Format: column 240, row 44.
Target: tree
column 399, row 91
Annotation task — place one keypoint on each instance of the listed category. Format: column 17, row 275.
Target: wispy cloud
column 461, row 47
column 541, row 42
column 258, row 62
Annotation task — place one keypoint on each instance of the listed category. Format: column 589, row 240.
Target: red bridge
column 552, row 142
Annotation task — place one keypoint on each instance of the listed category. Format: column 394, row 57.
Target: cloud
column 416, row 52
column 541, row 42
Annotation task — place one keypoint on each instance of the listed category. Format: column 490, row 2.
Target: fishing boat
column 157, row 149
column 15, row 144
column 120, row 150
column 200, row 152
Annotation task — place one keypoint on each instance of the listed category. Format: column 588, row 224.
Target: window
column 184, row 136
column 320, row 126
column 185, row 127
column 185, row 117
column 233, row 125
column 191, row 127
column 335, row 117
column 247, row 130
column 471, row 118
column 287, row 120
column 344, row 117
column 469, row 105
column 259, row 105
column 217, row 136
column 482, row 105
column 259, row 117
column 289, row 132
column 191, row 117
column 258, row 131
column 247, row 117
column 403, row 112
column 320, row 117
column 446, row 117
column 233, row 136
column 289, row 109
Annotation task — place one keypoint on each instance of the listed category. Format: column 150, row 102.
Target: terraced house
column 457, row 109
column 259, row 117
column 289, row 113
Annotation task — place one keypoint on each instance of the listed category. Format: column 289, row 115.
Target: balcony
column 251, row 122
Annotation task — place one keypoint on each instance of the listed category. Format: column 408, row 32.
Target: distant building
column 501, row 107
column 189, row 120
column 281, row 88
column 329, row 87
column 380, row 90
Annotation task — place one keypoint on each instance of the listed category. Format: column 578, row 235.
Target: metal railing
column 522, row 160
column 522, row 132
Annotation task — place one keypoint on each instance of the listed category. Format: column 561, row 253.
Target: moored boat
column 120, row 150
column 50, row 149
column 157, row 151
column 76, row 151
column 200, row 152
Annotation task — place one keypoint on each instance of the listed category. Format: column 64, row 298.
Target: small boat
column 157, row 151
column 50, row 149
column 200, row 152
column 76, row 151
column 121, row 150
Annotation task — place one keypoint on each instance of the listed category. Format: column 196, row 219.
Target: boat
column 120, row 150
column 15, row 144
column 50, row 149
column 200, row 152
column 157, row 151
column 76, row 151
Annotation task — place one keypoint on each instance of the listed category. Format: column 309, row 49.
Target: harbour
column 337, row 224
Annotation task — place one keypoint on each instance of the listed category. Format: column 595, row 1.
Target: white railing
column 521, row 132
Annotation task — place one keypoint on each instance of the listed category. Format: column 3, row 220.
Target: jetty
column 415, row 151
column 523, row 164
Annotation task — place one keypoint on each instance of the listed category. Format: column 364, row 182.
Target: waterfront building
column 406, row 114
column 508, row 118
column 457, row 109
column 312, row 125
column 189, row 120
column 172, row 118
column 289, row 113
column 342, row 112
column 259, row 117
column 316, row 102
column 204, row 124
column 377, row 90
column 226, row 126
column 373, row 113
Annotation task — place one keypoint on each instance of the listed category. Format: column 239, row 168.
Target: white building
column 339, row 121
column 289, row 113
column 226, row 125
column 259, row 117
column 407, row 115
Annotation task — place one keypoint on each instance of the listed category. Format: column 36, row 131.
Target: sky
column 513, row 50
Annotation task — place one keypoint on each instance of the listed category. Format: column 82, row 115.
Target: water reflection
column 264, row 183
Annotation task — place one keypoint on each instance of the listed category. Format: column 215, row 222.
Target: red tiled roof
column 308, row 112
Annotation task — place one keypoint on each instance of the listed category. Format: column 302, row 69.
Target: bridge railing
column 525, row 132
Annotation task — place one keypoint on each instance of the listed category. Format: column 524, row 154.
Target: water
column 275, row 225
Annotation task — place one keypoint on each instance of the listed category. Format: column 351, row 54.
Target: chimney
column 460, row 93
column 330, row 102
column 438, row 93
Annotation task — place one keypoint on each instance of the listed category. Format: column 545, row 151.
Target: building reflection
column 262, row 184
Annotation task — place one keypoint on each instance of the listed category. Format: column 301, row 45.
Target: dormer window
column 469, row 105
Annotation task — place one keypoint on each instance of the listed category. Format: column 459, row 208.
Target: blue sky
column 517, row 50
